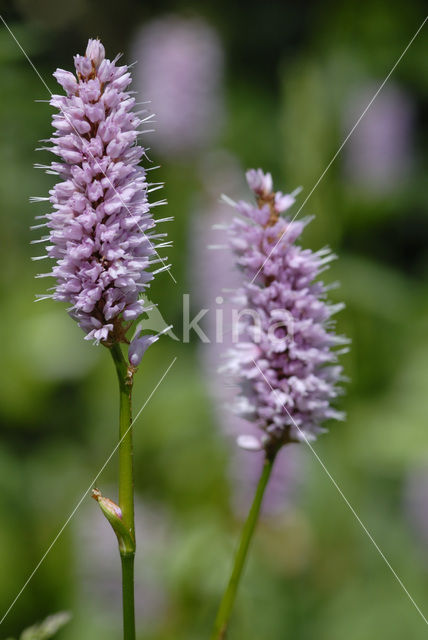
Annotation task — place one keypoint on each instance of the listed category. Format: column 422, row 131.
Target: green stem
column 128, row 595
column 126, row 489
column 228, row 600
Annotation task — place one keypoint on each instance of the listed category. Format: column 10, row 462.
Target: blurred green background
column 289, row 80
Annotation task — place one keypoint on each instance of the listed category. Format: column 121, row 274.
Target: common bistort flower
column 212, row 281
column 285, row 358
column 101, row 231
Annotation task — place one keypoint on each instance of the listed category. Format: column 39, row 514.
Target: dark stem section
column 127, row 560
column 126, row 488
column 229, row 596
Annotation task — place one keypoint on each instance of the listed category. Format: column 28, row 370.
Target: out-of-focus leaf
column 47, row 628
column 375, row 288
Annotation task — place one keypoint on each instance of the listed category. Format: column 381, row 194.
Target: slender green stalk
column 128, row 595
column 126, row 490
column 228, row 600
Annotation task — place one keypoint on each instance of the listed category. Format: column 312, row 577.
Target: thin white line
column 88, row 151
column 343, row 144
column 85, row 494
column 361, row 523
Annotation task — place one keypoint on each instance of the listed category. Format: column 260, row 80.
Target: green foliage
column 46, row 629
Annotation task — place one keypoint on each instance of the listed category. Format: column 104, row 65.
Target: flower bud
column 113, row 513
column 138, row 347
column 259, row 182
column 95, row 51
column 140, row 344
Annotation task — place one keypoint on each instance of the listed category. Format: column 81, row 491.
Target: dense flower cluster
column 211, row 280
column 100, row 229
column 285, row 358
